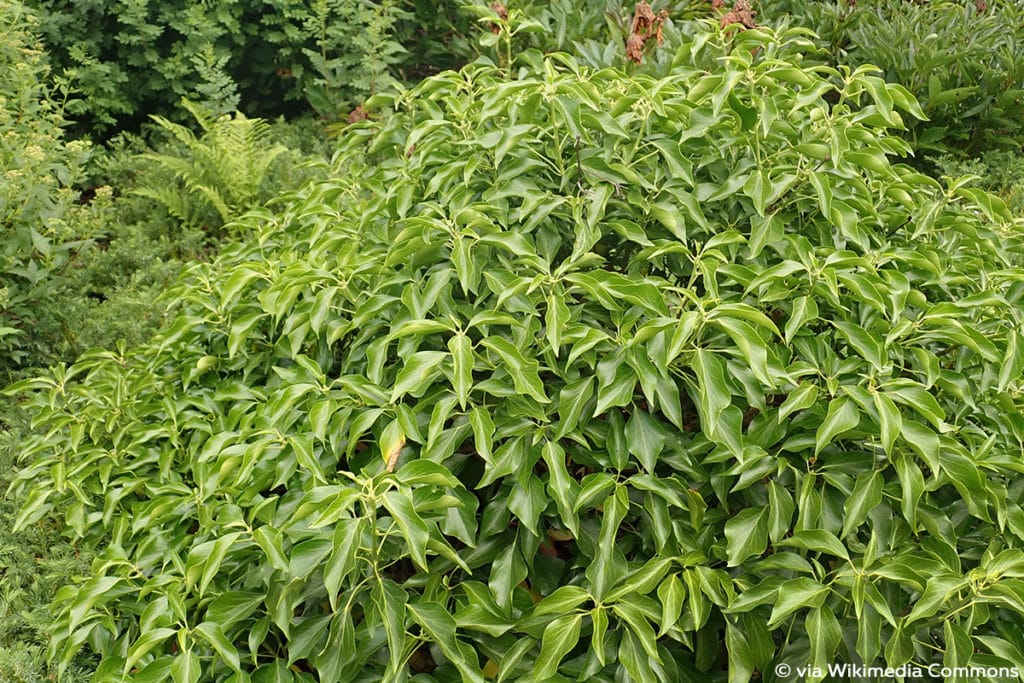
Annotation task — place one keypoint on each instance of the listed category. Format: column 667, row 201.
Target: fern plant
column 223, row 170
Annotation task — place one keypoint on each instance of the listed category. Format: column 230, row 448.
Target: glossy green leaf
column 746, row 534
column 796, row 594
column 842, row 416
column 712, row 392
column 866, row 495
column 560, row 636
column 463, row 361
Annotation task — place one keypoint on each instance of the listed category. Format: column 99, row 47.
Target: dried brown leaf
column 502, row 13
column 358, row 114
column 646, row 26
column 741, row 13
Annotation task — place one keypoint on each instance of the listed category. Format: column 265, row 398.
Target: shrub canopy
column 569, row 374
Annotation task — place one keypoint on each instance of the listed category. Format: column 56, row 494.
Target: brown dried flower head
column 646, row 27
column 741, row 13
column 358, row 114
column 502, row 13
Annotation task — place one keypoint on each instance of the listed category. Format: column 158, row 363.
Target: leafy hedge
column 569, row 374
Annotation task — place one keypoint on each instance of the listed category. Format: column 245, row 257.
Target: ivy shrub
column 568, row 374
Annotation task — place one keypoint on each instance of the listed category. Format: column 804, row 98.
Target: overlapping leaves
column 575, row 375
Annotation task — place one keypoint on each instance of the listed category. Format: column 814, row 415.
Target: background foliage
column 42, row 222
column 568, row 373
column 127, row 58
column 962, row 59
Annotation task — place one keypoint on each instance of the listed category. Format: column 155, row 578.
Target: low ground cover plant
column 568, row 373
column 999, row 171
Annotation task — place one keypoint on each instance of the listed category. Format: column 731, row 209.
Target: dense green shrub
column 130, row 58
column 568, row 374
column 963, row 60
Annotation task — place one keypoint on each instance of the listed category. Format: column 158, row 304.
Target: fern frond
column 200, row 114
column 175, row 202
column 180, row 133
column 213, row 196
column 226, row 168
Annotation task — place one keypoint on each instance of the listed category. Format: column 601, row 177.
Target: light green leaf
column 645, row 439
column 801, row 398
column 615, row 384
column 232, row 607
column 523, row 372
column 671, row 594
column 562, row 600
column 145, row 643
column 213, row 633
column 270, row 541
column 439, row 625
column 414, row 529
column 561, row 487
column 391, row 600
column 713, row 395
column 483, row 431
column 796, row 594
column 186, row 668
column 348, row 535
column 817, row 540
column 824, row 633
column 572, row 399
column 842, row 417
column 866, row 495
column 420, row 369
column 805, row 309
column 916, row 397
column 463, row 360
column 746, row 535
column 890, row 421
